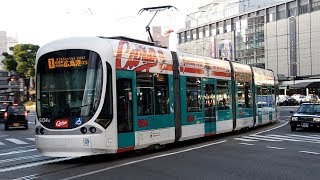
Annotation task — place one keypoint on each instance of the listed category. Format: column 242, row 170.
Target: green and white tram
column 99, row 95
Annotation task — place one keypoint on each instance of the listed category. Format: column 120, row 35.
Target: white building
column 5, row 44
column 220, row 9
column 283, row 37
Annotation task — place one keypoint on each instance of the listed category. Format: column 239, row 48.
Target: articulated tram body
column 109, row 95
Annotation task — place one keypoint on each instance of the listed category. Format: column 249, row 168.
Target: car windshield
column 309, row 109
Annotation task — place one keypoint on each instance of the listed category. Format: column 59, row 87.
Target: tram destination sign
column 67, row 62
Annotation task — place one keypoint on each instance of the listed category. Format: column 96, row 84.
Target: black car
column 15, row 116
column 307, row 116
column 290, row 101
column 3, row 107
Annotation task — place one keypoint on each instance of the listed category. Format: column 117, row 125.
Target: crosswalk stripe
column 297, row 138
column 16, row 141
column 272, row 147
column 275, row 137
column 316, row 138
column 247, row 140
column 31, row 139
column 258, row 138
column 279, row 138
column 1, row 143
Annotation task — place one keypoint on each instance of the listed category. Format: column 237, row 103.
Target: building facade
column 5, row 44
column 220, row 9
column 158, row 37
column 284, row 37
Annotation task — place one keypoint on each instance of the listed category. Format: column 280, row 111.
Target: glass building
column 283, row 37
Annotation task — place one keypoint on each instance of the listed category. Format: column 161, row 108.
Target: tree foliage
column 9, row 62
column 22, row 59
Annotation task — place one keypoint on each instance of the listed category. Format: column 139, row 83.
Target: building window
column 272, row 17
column 303, row 9
column 213, row 30
column 152, row 94
column 281, row 15
column 193, row 34
column 194, row 97
column 292, row 12
column 220, row 28
column 188, row 36
column 200, row 33
column 206, row 31
column 315, row 6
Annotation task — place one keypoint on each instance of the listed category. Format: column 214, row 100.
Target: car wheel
column 293, row 128
column 27, row 127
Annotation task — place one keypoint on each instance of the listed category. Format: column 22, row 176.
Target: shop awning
column 306, row 85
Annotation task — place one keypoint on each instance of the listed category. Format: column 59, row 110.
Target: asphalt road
column 268, row 152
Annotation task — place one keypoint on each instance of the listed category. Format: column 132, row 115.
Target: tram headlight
column 103, row 122
column 83, row 130
column 294, row 118
column 92, row 130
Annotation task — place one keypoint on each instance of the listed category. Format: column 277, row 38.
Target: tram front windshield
column 69, row 85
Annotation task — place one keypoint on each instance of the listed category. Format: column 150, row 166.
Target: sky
column 41, row 21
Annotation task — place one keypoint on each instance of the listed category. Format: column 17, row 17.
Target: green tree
column 9, row 62
column 22, row 59
column 25, row 56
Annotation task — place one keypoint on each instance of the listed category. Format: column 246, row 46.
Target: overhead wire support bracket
column 156, row 9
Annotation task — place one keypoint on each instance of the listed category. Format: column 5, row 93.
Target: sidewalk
column 31, row 107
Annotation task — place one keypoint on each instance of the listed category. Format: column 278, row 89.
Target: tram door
column 126, row 138
column 210, row 106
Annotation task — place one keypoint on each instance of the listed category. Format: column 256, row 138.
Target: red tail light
column 5, row 115
column 25, row 113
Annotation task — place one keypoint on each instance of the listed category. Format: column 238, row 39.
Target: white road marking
column 247, row 144
column 272, row 147
column 273, row 128
column 315, row 135
column 3, row 136
column 34, row 164
column 20, row 158
column 315, row 138
column 1, row 144
column 297, row 138
column 141, row 160
column 33, row 176
column 31, row 139
column 271, row 137
column 247, row 140
column 258, row 138
column 16, row 141
column 17, row 152
column 309, row 152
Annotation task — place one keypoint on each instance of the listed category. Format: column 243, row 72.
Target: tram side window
column 244, row 95
column 161, row 94
column 223, row 94
column 271, row 101
column 194, row 95
column 145, row 93
column 152, row 94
